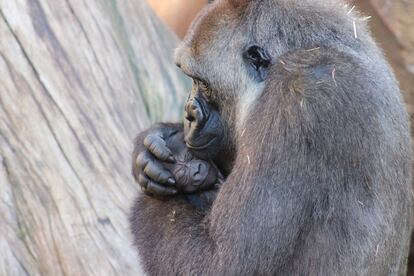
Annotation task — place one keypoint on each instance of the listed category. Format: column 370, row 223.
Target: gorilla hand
column 203, row 127
column 148, row 170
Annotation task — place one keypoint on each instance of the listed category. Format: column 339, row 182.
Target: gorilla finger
column 158, row 147
column 157, row 189
column 143, row 180
column 143, row 159
column 158, row 173
column 144, row 190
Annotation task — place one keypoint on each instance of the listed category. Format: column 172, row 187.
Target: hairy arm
column 174, row 237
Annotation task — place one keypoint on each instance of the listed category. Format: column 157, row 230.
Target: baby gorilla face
column 191, row 174
column 195, row 175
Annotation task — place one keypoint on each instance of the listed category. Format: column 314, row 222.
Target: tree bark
column 78, row 80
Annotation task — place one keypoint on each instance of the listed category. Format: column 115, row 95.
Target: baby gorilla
column 191, row 174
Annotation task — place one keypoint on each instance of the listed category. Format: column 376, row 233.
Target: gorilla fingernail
column 171, row 181
column 171, row 159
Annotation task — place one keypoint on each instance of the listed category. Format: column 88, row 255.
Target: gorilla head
column 232, row 44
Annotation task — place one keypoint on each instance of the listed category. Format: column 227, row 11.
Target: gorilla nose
column 191, row 108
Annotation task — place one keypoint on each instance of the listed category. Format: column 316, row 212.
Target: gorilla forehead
column 213, row 48
column 212, row 36
column 274, row 23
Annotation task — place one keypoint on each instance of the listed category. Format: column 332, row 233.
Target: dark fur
column 321, row 177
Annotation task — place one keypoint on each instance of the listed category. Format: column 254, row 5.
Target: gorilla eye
column 258, row 58
column 203, row 85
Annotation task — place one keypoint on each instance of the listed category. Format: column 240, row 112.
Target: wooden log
column 78, row 80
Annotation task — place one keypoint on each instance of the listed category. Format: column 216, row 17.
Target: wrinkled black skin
column 320, row 183
column 203, row 128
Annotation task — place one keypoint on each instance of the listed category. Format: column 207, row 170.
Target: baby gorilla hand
column 152, row 176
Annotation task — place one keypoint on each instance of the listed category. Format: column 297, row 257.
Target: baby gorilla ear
column 259, row 59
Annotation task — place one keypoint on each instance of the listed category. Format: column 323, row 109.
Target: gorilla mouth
column 201, row 147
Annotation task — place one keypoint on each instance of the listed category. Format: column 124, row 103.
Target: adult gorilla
column 317, row 148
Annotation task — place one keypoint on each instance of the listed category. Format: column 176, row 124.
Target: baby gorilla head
column 191, row 174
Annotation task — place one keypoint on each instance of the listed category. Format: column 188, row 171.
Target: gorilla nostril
column 198, row 170
column 189, row 117
column 191, row 108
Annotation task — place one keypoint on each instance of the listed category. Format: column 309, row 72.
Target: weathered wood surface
column 78, row 79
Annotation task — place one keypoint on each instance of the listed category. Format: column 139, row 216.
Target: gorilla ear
column 259, row 59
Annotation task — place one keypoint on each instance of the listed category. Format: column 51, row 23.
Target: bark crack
column 21, row 227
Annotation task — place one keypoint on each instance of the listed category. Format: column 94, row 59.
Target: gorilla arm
column 174, row 237
column 248, row 219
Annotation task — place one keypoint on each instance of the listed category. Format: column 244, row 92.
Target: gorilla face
column 228, row 71
column 195, row 175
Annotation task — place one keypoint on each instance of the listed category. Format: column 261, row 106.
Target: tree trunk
column 78, row 80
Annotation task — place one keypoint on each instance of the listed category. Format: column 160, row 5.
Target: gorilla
column 312, row 138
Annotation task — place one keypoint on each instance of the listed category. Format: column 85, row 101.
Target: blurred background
column 79, row 79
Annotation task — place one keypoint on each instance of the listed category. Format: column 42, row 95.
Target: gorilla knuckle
column 151, row 140
column 143, row 159
column 143, row 180
column 157, row 146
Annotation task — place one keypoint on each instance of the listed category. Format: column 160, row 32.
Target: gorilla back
column 321, row 174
